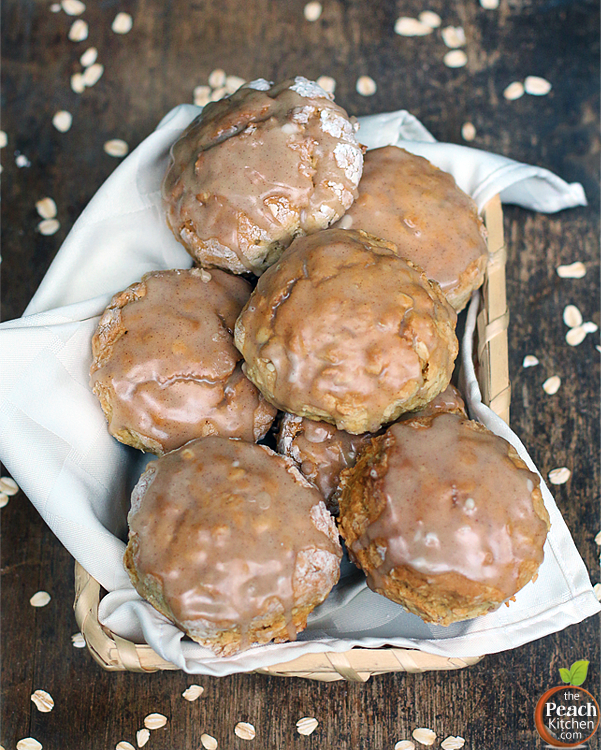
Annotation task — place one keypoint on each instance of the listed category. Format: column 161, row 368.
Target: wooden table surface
column 172, row 48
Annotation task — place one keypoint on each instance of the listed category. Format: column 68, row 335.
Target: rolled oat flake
column 456, row 58
column 307, row 725
column 244, row 730
column 155, row 721
column 122, row 23
column 116, row 147
column 424, row 736
column 43, row 701
column 29, row 743
column 208, row 742
column 560, row 475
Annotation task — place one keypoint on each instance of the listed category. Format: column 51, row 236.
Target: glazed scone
column 443, row 517
column 449, row 400
column 343, row 330
column 165, row 367
column 321, row 451
column 257, row 169
column 231, row 543
column 405, row 199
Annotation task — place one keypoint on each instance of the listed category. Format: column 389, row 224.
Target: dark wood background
column 172, row 48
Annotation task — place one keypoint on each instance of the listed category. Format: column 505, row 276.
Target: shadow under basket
column 114, row 653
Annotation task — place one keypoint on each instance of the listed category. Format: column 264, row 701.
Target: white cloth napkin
column 54, row 441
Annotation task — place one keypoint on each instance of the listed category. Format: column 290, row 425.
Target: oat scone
column 321, row 451
column 407, row 200
column 343, row 330
column 258, row 168
column 165, row 368
column 443, row 517
column 230, row 542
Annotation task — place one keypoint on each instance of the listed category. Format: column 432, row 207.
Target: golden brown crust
column 448, row 595
column 257, row 169
column 407, row 200
column 165, row 368
column 343, row 330
column 231, row 543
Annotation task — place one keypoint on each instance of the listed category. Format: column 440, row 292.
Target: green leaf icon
column 566, row 675
column 578, row 672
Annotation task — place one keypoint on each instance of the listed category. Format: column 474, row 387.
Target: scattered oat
column 89, row 57
column 559, row 476
column 62, row 120
column 123, row 745
column 424, row 736
column 590, row 327
column 22, row 161
column 573, row 271
column 430, row 18
column 596, row 590
column 8, row 486
column 452, row 743
column 77, row 83
column 575, row 336
column 453, row 36
column 327, row 83
column 233, row 83
column 55, row 8
column 489, row 4
column 78, row 31
column 202, row 95
column 306, row 726
column 514, row 91
column 217, row 78
column 3, row 499
column 46, row 208
column 142, row 737
column 122, row 23
column 456, row 58
column 49, row 226
column 3, row 139
column 598, row 538
column 468, row 131
column 312, row 11
column 572, row 316
column 366, row 86
column 40, row 599
column 208, row 742
column 552, row 384
column 536, row 86
column 28, row 743
column 405, row 26
column 78, row 640
column 93, row 74
column 218, row 94
column 155, row 721
column 73, row 7
column 530, row 361
column 116, row 147
column 43, row 701
column 192, row 692
column 405, row 745
column 244, row 730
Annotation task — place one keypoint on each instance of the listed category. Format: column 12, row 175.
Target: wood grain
column 171, row 49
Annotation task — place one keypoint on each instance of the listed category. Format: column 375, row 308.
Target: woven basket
column 114, row 653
